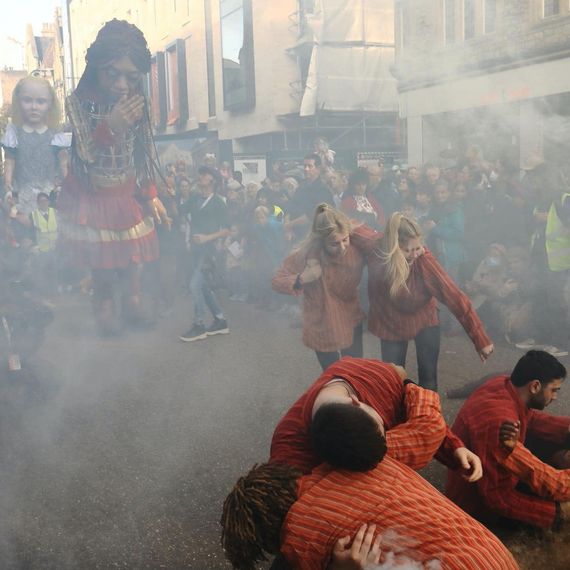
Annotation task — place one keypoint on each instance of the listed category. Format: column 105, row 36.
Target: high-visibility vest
column 557, row 239
column 46, row 230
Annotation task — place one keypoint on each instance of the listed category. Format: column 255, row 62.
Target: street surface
column 119, row 453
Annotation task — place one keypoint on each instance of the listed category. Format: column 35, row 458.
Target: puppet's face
column 35, row 103
column 119, row 79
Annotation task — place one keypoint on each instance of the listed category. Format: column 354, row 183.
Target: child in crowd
column 266, row 199
column 267, row 251
column 423, row 203
column 235, row 277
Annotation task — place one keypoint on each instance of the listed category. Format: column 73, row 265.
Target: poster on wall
column 179, row 152
column 253, row 168
column 366, row 159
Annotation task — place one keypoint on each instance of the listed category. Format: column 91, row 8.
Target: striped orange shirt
column 415, row 308
column 412, row 516
column 411, row 415
column 542, row 478
column 496, row 494
column 331, row 306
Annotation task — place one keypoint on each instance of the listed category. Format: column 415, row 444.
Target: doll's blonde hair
column 54, row 113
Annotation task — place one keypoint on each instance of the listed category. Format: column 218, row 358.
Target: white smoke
column 402, row 553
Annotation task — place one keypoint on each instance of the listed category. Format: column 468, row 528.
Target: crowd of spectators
column 484, row 219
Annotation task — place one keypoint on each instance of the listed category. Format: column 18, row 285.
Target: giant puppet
column 108, row 203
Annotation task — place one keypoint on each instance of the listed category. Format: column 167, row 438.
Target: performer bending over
column 331, row 422
column 309, row 519
column 405, row 281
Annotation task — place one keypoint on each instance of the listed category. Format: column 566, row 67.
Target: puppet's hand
column 126, row 113
column 159, row 213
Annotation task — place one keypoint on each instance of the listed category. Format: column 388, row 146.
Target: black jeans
column 427, row 351
column 355, row 350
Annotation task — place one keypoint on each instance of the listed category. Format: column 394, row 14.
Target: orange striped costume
column 411, row 415
column 331, row 308
column 414, row 519
column 495, row 495
column 543, row 479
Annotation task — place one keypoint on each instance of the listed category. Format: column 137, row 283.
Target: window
column 490, row 16
column 171, row 84
column 157, row 91
column 306, row 9
column 551, row 8
column 237, row 54
column 176, row 84
column 449, row 21
column 468, row 19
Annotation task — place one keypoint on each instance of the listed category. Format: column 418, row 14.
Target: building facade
column 494, row 73
column 261, row 79
column 8, row 80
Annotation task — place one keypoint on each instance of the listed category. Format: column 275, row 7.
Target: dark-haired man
column 312, row 192
column 209, row 222
column 533, row 384
column 349, row 393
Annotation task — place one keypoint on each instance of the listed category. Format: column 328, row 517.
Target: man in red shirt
column 545, row 479
column 315, row 429
column 533, row 384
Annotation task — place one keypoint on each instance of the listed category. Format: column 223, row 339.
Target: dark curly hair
column 116, row 39
column 254, row 513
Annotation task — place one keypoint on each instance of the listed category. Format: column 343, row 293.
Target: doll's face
column 35, row 103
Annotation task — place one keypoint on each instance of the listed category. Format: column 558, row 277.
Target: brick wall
column 521, row 37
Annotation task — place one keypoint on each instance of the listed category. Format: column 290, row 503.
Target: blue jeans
column 427, row 352
column 202, row 294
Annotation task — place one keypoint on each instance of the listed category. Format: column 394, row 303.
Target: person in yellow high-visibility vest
column 558, row 234
column 558, row 255
column 44, row 263
column 44, row 222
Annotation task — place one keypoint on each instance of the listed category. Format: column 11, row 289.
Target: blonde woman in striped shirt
column 326, row 270
column 405, row 282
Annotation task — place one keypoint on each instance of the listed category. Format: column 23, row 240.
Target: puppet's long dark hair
column 254, row 512
column 117, row 38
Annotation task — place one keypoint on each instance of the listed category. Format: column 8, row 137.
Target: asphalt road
column 119, row 453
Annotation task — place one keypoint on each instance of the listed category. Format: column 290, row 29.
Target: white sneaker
column 555, row 351
column 526, row 344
